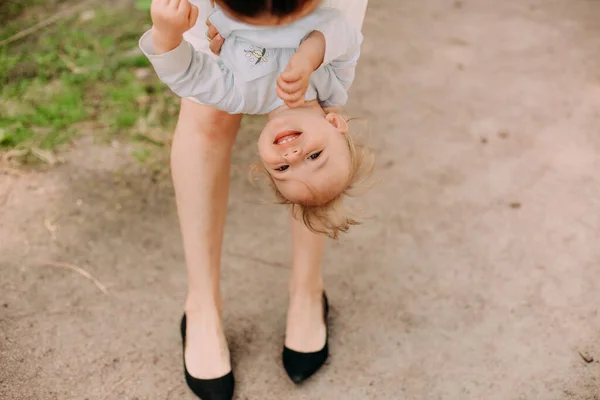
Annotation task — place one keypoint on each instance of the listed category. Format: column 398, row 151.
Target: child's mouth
column 286, row 137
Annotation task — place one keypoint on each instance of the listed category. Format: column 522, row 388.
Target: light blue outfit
column 244, row 79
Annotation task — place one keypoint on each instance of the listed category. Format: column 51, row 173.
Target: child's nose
column 292, row 154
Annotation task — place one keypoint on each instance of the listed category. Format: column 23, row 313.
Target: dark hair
column 253, row 8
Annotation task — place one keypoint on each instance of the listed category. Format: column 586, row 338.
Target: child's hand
column 170, row 19
column 293, row 83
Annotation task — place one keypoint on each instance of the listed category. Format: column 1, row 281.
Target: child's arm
column 293, row 83
column 343, row 41
column 170, row 20
column 335, row 43
column 188, row 73
column 342, row 36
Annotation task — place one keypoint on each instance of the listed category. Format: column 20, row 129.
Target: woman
column 200, row 163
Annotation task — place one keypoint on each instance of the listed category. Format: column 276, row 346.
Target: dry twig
column 77, row 269
column 48, row 21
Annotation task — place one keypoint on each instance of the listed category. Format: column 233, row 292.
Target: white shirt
column 243, row 80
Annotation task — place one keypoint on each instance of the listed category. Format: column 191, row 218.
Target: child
column 293, row 73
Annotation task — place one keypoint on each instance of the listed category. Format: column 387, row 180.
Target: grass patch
column 84, row 72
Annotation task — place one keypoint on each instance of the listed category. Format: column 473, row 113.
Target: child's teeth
column 288, row 139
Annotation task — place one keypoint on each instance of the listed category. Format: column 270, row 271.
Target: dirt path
column 476, row 279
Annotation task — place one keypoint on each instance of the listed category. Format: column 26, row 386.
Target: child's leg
column 305, row 331
column 200, row 167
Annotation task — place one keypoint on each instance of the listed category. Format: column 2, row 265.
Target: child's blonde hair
column 329, row 216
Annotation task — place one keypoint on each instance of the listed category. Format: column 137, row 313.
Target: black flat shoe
column 301, row 366
column 207, row 389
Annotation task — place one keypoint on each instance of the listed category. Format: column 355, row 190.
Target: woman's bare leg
column 305, row 331
column 200, row 161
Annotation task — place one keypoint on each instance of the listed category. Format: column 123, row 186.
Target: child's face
column 272, row 20
column 306, row 154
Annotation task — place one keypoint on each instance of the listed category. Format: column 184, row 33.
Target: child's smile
column 286, row 137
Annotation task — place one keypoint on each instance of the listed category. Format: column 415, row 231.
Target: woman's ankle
column 206, row 308
column 314, row 291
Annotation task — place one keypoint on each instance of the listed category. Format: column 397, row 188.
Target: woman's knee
column 207, row 123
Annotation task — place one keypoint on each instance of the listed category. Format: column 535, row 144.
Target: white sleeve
column 342, row 44
column 190, row 73
column 342, row 28
column 354, row 10
column 344, row 67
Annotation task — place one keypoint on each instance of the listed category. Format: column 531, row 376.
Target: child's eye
column 282, row 168
column 314, row 156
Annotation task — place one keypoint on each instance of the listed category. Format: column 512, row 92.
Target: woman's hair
column 253, row 8
column 332, row 217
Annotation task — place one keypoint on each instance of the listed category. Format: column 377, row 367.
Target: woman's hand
column 170, row 19
column 215, row 39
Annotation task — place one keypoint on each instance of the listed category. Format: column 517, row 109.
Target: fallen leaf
column 586, row 357
column 44, row 155
column 87, row 15
column 142, row 73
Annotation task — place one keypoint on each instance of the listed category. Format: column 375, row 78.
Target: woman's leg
column 200, row 161
column 305, row 331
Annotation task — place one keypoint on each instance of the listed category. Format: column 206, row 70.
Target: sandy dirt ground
column 476, row 278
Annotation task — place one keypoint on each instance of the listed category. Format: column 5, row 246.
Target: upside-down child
column 296, row 74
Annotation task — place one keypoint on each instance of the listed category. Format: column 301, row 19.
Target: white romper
column 354, row 11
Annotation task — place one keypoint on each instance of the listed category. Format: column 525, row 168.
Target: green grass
column 80, row 76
